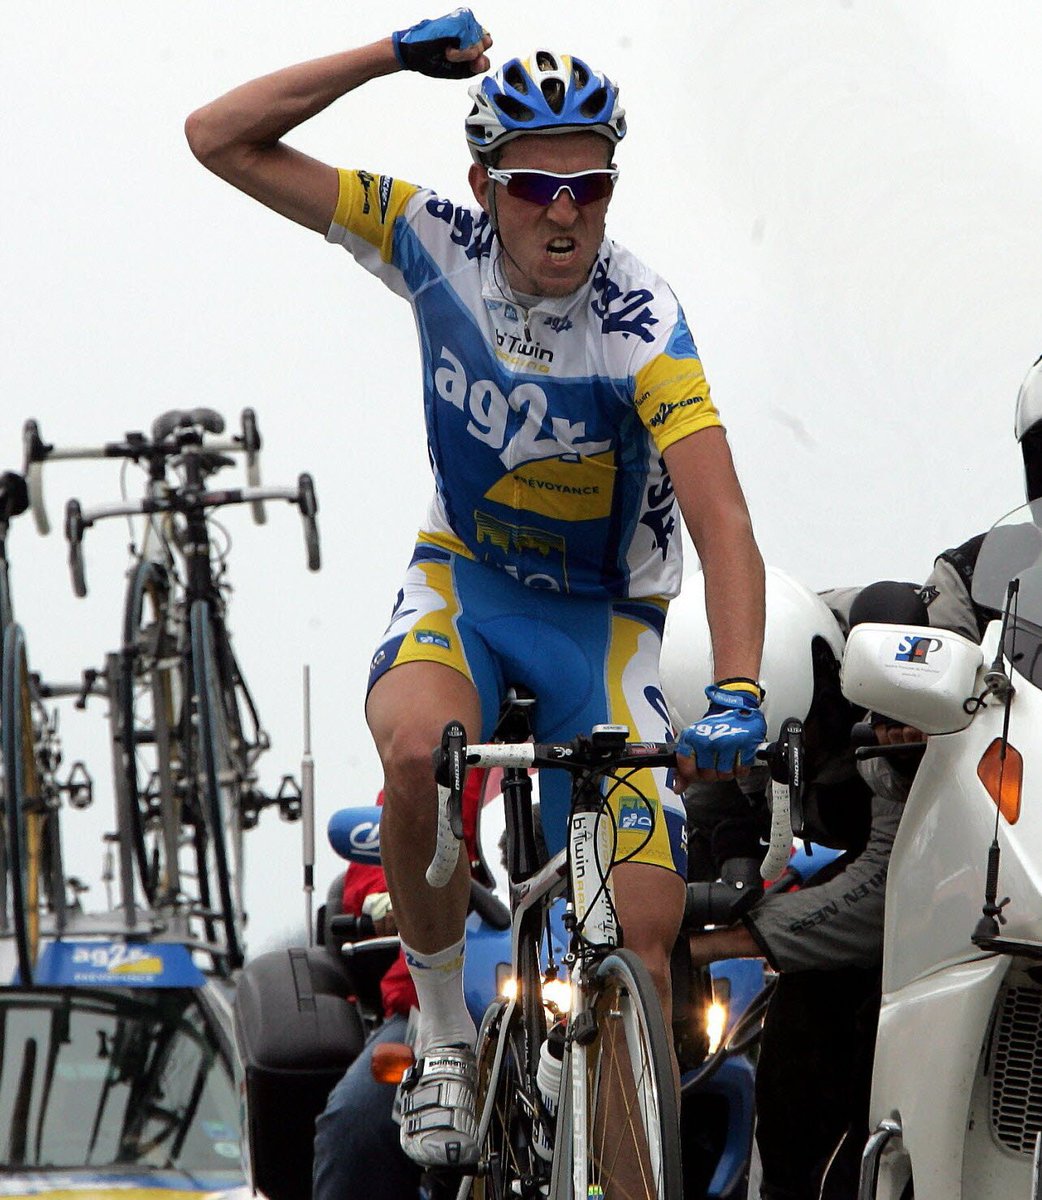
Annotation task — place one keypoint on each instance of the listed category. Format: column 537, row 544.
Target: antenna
column 307, row 813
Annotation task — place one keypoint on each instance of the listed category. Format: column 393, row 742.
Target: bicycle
column 616, row 1128
column 188, row 734
column 33, row 886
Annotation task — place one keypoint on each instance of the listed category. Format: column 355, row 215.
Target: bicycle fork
column 592, row 920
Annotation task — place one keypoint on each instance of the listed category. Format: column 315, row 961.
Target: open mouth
column 560, row 248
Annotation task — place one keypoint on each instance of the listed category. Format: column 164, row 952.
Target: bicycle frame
column 581, row 874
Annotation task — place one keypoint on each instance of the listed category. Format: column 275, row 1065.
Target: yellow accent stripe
column 672, row 399
column 444, row 541
column 426, row 640
column 368, row 205
column 625, row 633
column 741, row 685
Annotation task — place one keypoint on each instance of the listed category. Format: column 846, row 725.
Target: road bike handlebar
column 174, row 433
column 605, row 749
column 78, row 519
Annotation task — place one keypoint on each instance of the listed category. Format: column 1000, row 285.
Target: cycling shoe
column 438, row 1103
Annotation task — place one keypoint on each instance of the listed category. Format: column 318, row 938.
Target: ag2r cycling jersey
column 546, row 424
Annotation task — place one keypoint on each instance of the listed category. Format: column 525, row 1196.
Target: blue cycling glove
column 728, row 734
column 422, row 47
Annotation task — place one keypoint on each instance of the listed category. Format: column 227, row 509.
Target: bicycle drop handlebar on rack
column 177, row 434
column 171, row 433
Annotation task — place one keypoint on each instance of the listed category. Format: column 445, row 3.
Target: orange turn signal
column 390, row 1061
column 1003, row 777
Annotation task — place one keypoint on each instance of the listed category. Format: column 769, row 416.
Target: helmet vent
column 579, row 74
column 553, row 92
column 545, row 61
column 516, row 78
column 592, row 105
column 513, row 108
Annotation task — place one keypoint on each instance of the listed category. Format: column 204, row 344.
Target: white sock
column 438, row 977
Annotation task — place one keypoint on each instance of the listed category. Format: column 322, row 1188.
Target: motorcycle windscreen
column 1012, row 550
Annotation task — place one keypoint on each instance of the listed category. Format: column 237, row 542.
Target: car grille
column 1016, row 1093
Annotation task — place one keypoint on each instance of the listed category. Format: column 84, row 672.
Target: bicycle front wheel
column 24, row 810
column 623, row 1131
column 221, row 776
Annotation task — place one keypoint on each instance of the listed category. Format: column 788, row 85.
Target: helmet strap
column 493, row 215
column 494, row 220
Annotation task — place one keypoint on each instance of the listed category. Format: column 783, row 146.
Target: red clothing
column 396, row 987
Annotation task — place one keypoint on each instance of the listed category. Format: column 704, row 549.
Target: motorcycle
column 956, row 1107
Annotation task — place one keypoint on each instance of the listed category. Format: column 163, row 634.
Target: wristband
column 748, row 689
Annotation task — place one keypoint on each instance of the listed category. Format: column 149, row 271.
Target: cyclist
column 568, row 420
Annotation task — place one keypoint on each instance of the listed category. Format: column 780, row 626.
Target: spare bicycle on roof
column 187, row 735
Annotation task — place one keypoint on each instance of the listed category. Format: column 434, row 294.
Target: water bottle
column 548, row 1077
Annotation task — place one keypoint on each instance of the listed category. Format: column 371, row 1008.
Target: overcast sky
column 844, row 195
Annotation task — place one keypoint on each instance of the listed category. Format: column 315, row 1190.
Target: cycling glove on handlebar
column 422, row 47
column 728, row 734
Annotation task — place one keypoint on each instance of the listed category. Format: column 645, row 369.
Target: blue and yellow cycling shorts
column 588, row 661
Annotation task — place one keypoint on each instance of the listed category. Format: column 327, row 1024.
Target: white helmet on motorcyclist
column 1028, row 428
column 796, row 617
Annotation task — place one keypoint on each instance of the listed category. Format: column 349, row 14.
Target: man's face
column 549, row 250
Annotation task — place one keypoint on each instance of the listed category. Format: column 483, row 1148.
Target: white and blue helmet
column 545, row 93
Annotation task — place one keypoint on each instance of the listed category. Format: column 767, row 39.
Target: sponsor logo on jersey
column 662, row 413
column 366, row 180
column 659, row 514
column 634, row 814
column 545, row 552
column 511, row 348
column 621, row 312
column 565, row 489
column 492, row 416
column 431, row 637
column 475, row 236
column 559, row 324
column 386, row 183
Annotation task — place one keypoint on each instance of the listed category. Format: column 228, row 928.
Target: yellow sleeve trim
column 369, row 205
column 672, row 399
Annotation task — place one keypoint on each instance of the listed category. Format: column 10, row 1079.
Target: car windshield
column 114, row 1081
column 1012, row 550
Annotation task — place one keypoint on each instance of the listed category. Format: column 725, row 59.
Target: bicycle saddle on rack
column 180, row 418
